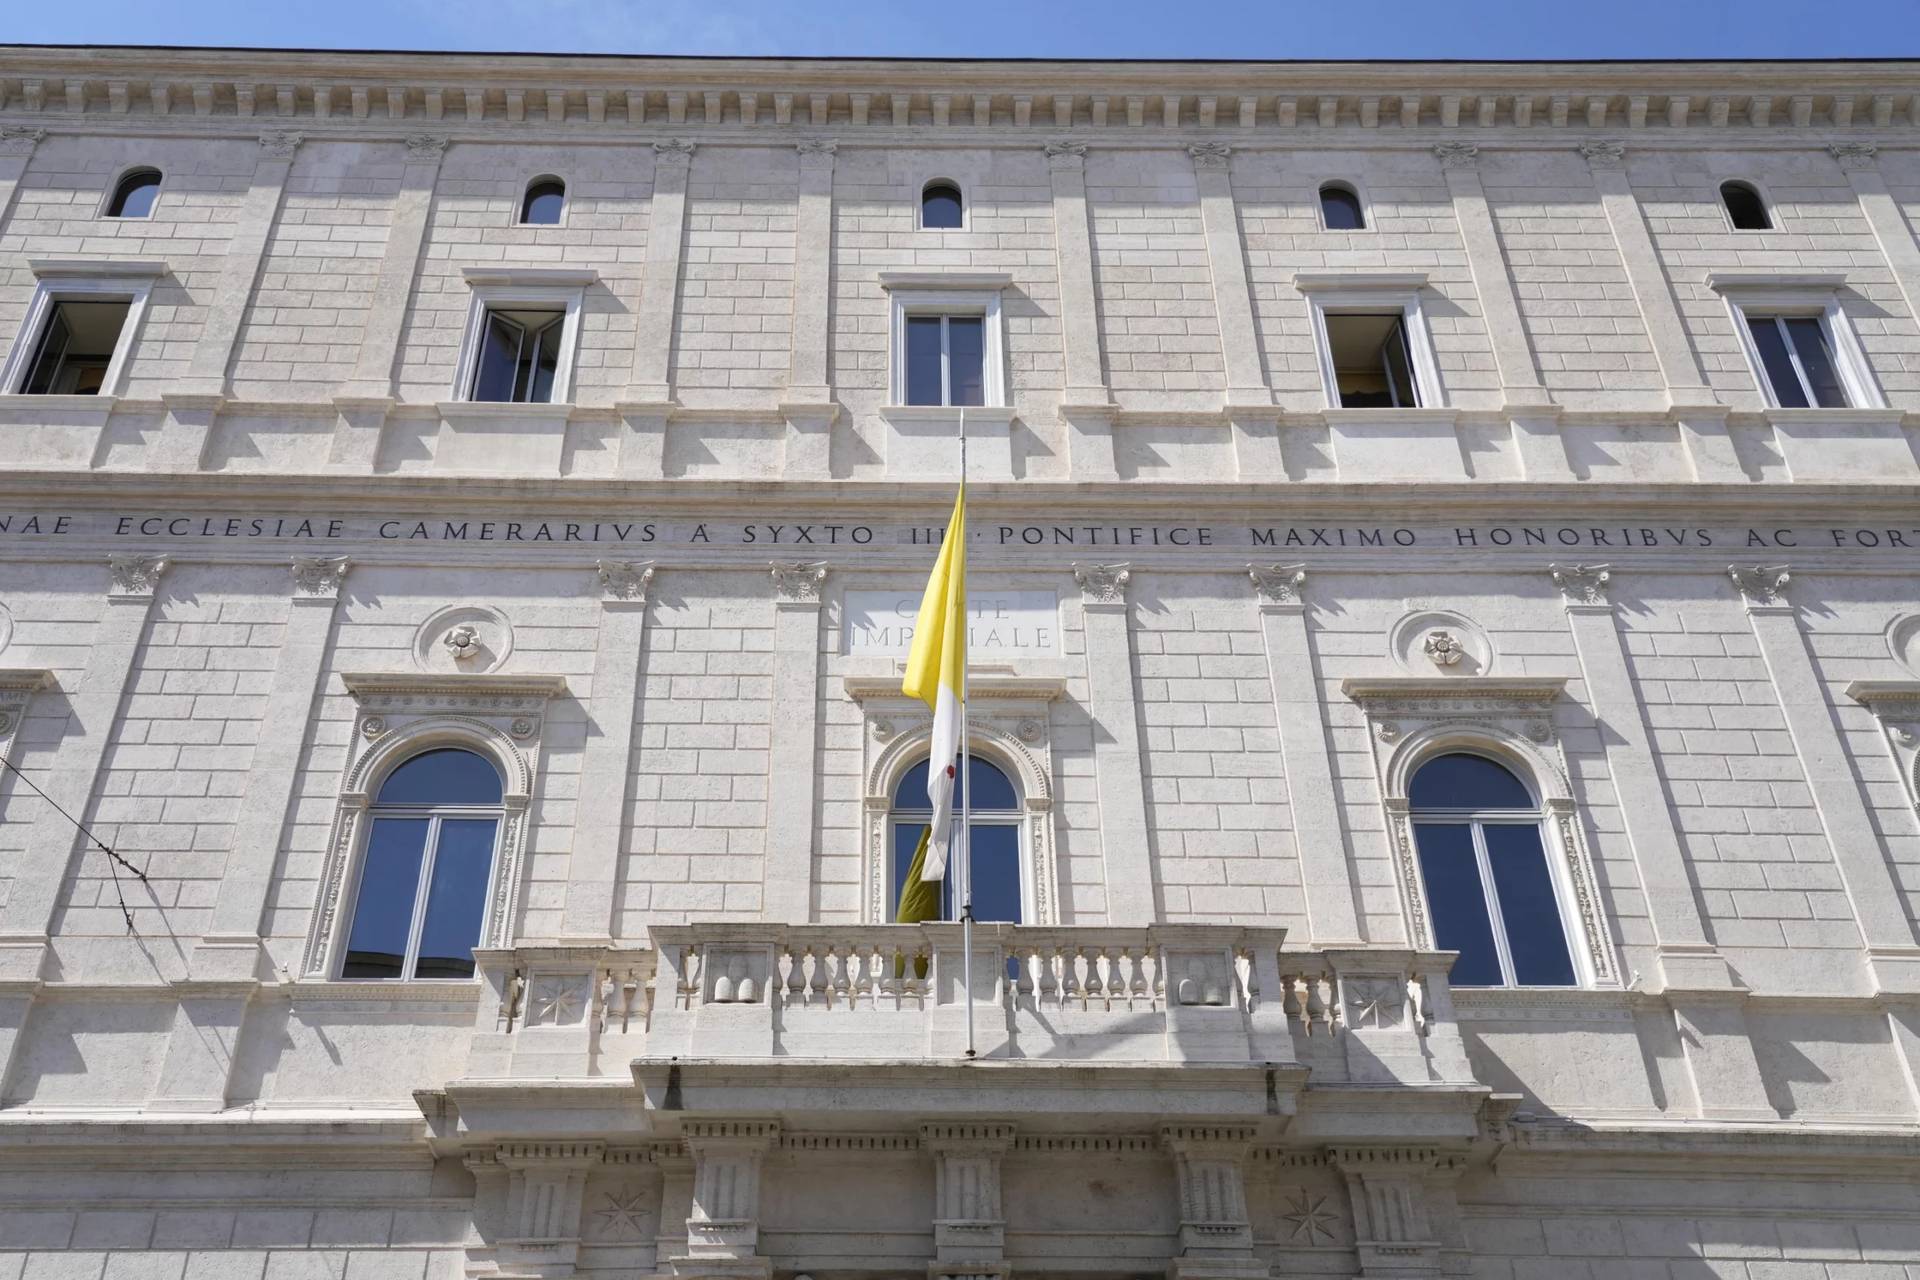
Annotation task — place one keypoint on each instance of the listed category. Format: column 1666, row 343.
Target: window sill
column 1419, row 415
column 514, row 409
column 60, row 404
column 1838, row 417
column 993, row 415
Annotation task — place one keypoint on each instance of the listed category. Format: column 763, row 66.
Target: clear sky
column 1006, row 28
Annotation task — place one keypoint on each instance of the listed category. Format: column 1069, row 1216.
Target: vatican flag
column 936, row 674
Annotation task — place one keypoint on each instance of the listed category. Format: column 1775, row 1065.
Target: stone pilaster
column 793, row 786
column 1216, row 1236
column 660, row 286
column 364, row 402
column 969, row 1223
column 1701, row 417
column 1227, row 263
column 808, row 403
column 1858, row 848
column 540, row 1237
column 1860, row 162
column 1086, row 403
column 193, row 404
column 1117, row 762
column 600, row 828
column 723, row 1226
column 16, row 150
column 1534, row 417
column 47, row 855
column 1326, row 870
column 1687, row 958
column 1405, row 1222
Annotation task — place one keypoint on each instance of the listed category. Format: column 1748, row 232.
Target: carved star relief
column 624, row 1215
column 1307, row 1217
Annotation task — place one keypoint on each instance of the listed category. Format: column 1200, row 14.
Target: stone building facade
column 1330, row 427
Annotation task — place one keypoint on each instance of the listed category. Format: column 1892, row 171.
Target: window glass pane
column 1745, row 209
column 1809, row 338
column 51, row 355
column 1457, row 902
column 135, row 195
column 383, row 911
column 992, row 790
column 1399, row 365
column 940, row 208
column 966, row 359
column 446, row 776
column 494, row 375
column 1536, row 938
column 996, row 873
column 543, row 204
column 543, row 358
column 923, row 360
column 456, row 899
column 1461, row 781
column 1775, row 360
column 1340, row 209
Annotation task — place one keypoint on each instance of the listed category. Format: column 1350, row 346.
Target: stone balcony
column 865, row 1026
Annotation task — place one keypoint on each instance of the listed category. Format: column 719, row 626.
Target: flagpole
column 965, row 852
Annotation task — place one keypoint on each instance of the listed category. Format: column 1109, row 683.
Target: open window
column 425, row 874
column 79, row 329
column 1340, row 208
column 545, row 200
column 1374, row 347
column 522, row 330
column 940, row 206
column 1372, row 362
column 996, row 818
column 1480, row 833
column 134, row 195
column 1746, row 209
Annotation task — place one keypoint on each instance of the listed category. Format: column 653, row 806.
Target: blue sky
column 1008, row 28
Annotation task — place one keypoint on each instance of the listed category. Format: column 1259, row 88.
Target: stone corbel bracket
column 1411, row 719
column 399, row 714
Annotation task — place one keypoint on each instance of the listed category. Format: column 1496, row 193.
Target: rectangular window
column 1797, row 360
column 1372, row 364
column 519, row 356
column 946, row 360
column 76, row 348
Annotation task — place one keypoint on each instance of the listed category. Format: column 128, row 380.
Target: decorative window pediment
column 1008, row 724
column 399, row 715
column 1413, row 719
column 1896, row 705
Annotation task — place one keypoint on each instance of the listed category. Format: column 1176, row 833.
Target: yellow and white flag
column 936, row 668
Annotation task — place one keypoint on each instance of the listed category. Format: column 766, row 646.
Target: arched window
column 431, row 834
column 1745, row 209
column 940, row 207
column 996, row 839
column 134, row 196
column 1483, row 863
column 1340, row 208
column 542, row 204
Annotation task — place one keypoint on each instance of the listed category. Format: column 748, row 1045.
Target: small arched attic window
column 546, row 197
column 134, row 195
column 940, row 207
column 1745, row 209
column 1340, row 208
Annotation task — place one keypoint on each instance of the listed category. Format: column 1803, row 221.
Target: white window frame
column 920, row 205
column 1766, row 202
column 959, row 294
column 436, row 815
column 106, row 199
column 1765, row 295
column 520, row 200
column 1477, row 819
column 64, row 282
column 513, row 290
column 1359, row 193
column 1359, row 294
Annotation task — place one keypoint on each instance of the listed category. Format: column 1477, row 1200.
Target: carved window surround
column 1410, row 719
column 1896, row 705
column 1007, row 723
column 399, row 714
column 1337, row 292
column 17, row 687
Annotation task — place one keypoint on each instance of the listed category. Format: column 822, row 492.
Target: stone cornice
column 388, row 88
column 424, row 684
column 1518, row 689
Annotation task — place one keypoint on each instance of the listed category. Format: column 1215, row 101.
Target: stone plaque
column 1005, row 624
